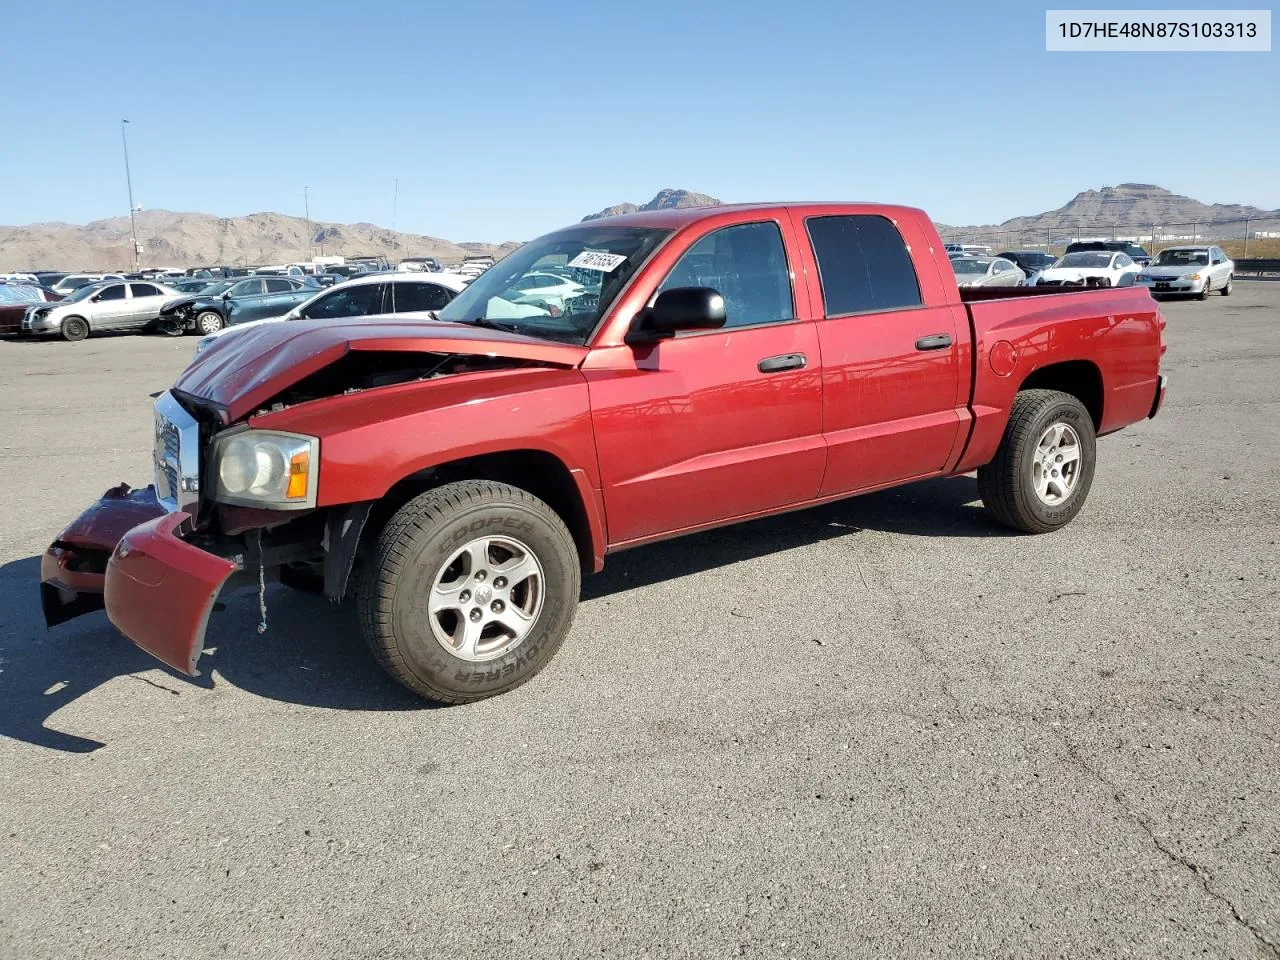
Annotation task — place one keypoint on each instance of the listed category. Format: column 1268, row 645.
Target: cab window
column 747, row 265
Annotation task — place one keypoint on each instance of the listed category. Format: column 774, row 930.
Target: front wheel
column 470, row 590
column 207, row 322
column 1226, row 290
column 1204, row 291
column 75, row 329
column 1044, row 466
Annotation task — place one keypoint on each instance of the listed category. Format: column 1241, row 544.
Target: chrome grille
column 176, row 455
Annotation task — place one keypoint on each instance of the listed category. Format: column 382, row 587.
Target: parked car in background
column 967, row 250
column 16, row 299
column 986, row 272
column 73, row 281
column 420, row 264
column 1100, row 268
column 403, row 294
column 1194, row 271
column 1030, row 262
column 235, row 301
column 1134, row 252
column 49, row 278
column 96, row 307
column 190, row 284
column 547, row 288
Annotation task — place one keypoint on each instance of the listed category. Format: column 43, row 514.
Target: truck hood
column 238, row 374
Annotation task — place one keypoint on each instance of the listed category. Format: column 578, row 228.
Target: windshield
column 1181, row 258
column 1085, row 260
column 970, row 266
column 80, row 293
column 558, row 286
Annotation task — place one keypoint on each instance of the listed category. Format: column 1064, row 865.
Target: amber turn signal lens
column 299, row 471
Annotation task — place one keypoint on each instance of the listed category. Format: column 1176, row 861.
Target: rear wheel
column 1043, row 469
column 207, row 322
column 75, row 328
column 1226, row 290
column 470, row 590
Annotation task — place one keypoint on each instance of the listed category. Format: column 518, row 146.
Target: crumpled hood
column 238, row 374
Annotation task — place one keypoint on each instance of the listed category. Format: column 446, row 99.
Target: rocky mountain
column 662, row 200
column 1137, row 205
column 191, row 239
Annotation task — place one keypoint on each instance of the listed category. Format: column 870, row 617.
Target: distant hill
column 1137, row 205
column 193, row 239
column 662, row 200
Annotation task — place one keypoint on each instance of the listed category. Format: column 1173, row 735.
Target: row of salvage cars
column 1185, row 270
column 221, row 306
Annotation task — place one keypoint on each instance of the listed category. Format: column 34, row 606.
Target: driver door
column 110, row 305
column 713, row 425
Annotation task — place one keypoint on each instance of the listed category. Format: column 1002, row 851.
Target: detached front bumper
column 127, row 553
column 160, row 590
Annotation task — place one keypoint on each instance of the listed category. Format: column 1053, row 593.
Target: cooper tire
column 1226, row 290
column 207, row 322
column 75, row 329
column 416, row 549
column 1008, row 483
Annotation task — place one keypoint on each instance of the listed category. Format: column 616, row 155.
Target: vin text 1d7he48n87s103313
column 607, row 385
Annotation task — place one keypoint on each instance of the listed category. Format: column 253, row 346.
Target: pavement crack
column 1201, row 873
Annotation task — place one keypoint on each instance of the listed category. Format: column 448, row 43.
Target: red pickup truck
column 607, row 385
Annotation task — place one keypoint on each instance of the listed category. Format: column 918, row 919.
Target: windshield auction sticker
column 1136, row 31
column 597, row 260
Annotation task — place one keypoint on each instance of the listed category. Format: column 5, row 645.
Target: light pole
column 128, row 180
column 306, row 205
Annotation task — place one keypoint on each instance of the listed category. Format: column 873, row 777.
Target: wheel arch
column 539, row 472
column 1080, row 378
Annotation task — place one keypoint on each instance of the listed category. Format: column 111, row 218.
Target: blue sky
column 503, row 119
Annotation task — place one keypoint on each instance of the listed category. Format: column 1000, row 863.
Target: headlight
column 266, row 468
column 1143, row 277
column 1194, row 276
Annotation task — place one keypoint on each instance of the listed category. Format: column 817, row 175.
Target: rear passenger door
column 415, row 296
column 890, row 363
column 145, row 301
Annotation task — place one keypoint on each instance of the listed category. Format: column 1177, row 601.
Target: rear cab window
column 863, row 265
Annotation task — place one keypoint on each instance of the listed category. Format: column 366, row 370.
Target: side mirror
column 680, row 308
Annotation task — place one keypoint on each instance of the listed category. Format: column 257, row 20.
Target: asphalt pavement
column 881, row 728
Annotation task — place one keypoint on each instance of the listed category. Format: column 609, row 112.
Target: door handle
column 939, row 341
column 787, row 361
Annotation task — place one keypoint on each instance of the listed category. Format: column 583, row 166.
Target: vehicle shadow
column 945, row 507
column 311, row 653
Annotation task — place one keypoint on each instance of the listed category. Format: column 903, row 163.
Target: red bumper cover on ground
column 158, row 590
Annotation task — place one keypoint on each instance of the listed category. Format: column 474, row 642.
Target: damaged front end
column 157, row 558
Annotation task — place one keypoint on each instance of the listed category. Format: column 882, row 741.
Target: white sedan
column 405, row 294
column 549, row 288
column 1093, row 268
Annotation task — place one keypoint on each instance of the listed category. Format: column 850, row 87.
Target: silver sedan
column 986, row 272
column 1189, row 270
